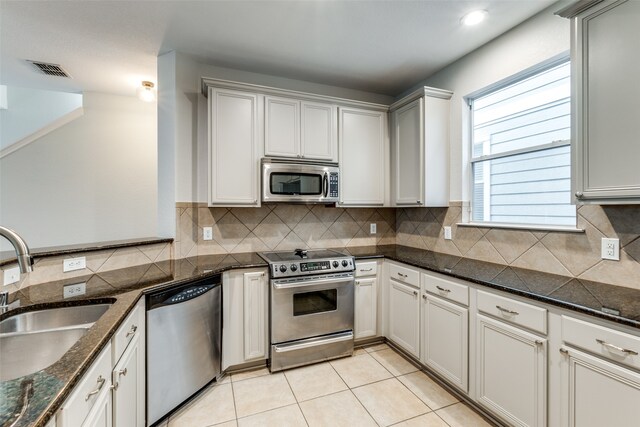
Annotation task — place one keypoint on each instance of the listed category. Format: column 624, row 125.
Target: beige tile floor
column 375, row 387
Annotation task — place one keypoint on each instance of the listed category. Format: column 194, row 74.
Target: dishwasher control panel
column 187, row 294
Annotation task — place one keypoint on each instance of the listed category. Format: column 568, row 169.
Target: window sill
column 559, row 228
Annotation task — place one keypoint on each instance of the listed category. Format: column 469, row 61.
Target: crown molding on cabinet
column 420, row 92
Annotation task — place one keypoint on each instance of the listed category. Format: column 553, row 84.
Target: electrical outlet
column 207, row 233
column 447, row 233
column 72, row 264
column 74, row 290
column 11, row 275
column 373, row 228
column 611, row 249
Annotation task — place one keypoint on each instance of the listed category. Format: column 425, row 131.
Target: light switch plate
column 611, row 249
column 72, row 264
column 74, row 290
column 373, row 228
column 207, row 233
column 11, row 275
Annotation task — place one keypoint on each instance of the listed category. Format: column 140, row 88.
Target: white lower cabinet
column 365, row 316
column 112, row 391
column 598, row 393
column 511, row 372
column 245, row 323
column 404, row 316
column 445, row 339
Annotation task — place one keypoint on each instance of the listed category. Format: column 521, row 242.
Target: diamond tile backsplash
column 279, row 227
column 569, row 254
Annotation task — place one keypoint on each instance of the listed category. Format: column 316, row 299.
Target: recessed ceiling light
column 474, row 18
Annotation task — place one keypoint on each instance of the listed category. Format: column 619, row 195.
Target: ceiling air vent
column 50, row 69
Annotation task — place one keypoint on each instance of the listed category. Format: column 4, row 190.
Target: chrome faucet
column 25, row 260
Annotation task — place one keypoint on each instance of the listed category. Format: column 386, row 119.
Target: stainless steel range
column 311, row 306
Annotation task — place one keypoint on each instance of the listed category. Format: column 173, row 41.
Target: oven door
column 311, row 306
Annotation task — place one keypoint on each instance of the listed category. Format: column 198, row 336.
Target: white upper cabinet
column 363, row 160
column 319, row 131
column 420, row 149
column 300, row 129
column 605, row 108
column 281, row 127
column 234, row 147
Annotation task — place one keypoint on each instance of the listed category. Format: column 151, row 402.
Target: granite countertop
column 51, row 386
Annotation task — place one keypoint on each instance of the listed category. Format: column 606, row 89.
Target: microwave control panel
column 333, row 184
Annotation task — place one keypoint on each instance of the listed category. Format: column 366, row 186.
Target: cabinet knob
column 415, row 293
column 424, row 297
column 418, row 202
column 132, row 331
column 579, row 195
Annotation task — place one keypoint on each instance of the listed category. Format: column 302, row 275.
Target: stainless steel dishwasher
column 184, row 338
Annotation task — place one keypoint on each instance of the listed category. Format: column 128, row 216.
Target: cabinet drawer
column 369, row 268
column 131, row 327
column 405, row 275
column 516, row 312
column 446, row 288
column 609, row 343
column 86, row 393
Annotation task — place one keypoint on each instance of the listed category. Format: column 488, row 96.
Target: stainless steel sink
column 25, row 353
column 35, row 340
column 53, row 318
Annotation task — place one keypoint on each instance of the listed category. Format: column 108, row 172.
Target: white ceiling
column 380, row 46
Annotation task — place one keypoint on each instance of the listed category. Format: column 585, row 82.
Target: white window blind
column 521, row 154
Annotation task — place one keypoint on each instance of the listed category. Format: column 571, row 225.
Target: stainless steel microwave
column 289, row 181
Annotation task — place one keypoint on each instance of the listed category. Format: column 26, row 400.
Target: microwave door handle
column 325, row 184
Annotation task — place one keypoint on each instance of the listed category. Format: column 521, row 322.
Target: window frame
column 501, row 84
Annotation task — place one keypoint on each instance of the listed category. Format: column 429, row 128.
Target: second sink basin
column 53, row 318
column 24, row 354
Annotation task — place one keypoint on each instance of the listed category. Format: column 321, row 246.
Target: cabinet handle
column 615, row 347
column 101, row 382
column 579, row 195
column 424, row 297
column 114, row 386
column 122, row 372
column 132, row 331
column 403, row 275
column 538, row 342
column 564, row 351
column 507, row 311
column 418, row 202
column 364, row 270
column 357, row 283
column 415, row 293
column 443, row 289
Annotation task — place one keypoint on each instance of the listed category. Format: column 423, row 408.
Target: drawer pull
column 367, row 269
column 402, row 275
column 564, row 351
column 101, row 382
column 415, row 293
column 507, row 311
column 424, row 297
column 122, row 372
column 132, row 331
column 538, row 342
column 443, row 289
column 615, row 347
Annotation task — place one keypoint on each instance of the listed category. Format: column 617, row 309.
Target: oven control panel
column 303, row 268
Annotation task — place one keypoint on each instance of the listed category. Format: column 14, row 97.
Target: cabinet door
column 511, row 372
column 445, row 339
column 598, row 393
column 255, row 316
column 234, row 148
column 404, row 316
column 100, row 415
column 365, row 308
column 362, row 157
column 606, row 108
column 128, row 387
column 319, row 132
column 281, row 127
column 408, row 155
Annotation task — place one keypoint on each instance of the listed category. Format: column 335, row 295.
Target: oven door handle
column 283, row 348
column 306, row 283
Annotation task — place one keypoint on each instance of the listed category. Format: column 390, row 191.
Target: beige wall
column 279, row 227
column 568, row 254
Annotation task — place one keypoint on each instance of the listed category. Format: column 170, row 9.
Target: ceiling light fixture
column 146, row 92
column 474, row 18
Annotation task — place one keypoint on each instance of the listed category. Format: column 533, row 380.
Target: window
column 521, row 153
